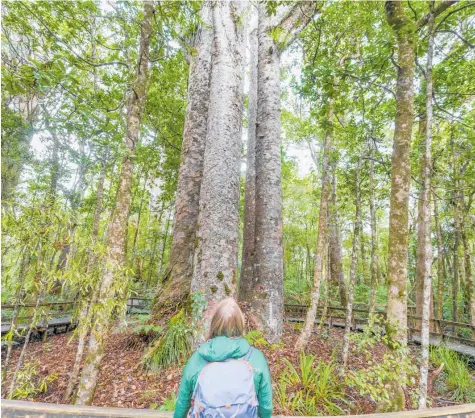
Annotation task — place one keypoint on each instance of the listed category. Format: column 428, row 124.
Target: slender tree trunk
column 326, row 283
column 424, row 254
column 440, row 263
column 215, row 267
column 86, row 316
column 336, row 267
column 117, row 229
column 18, row 298
column 322, row 232
column 354, row 261
column 400, row 173
column 25, row 343
column 246, row 284
column 455, row 266
column 137, row 227
column 178, row 276
column 469, row 280
column 374, row 238
column 86, row 313
column 164, row 246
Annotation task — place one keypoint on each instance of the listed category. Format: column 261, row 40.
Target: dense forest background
column 165, row 149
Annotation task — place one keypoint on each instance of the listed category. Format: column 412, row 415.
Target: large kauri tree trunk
column 268, row 284
column 117, row 228
column 246, row 284
column 177, row 278
column 215, row 265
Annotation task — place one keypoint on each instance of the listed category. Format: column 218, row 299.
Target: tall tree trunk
column 246, row 284
column 374, row 238
column 177, row 278
column 86, row 314
column 455, row 266
column 322, row 231
column 440, row 263
column 336, row 267
column 354, row 261
column 404, row 29
column 267, row 295
column 424, row 245
column 117, row 229
column 215, row 267
column 137, row 227
column 469, row 290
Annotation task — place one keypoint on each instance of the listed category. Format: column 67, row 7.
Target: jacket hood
column 223, row 348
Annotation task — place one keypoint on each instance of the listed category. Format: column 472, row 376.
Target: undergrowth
column 383, row 381
column 30, row 382
column 174, row 345
column 310, row 389
column 457, row 380
column 171, row 348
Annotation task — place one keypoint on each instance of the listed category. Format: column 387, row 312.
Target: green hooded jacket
column 219, row 349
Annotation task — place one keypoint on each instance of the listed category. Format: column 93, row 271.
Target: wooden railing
column 335, row 315
column 22, row 409
column 63, row 308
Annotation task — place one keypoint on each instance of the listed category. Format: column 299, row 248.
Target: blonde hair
column 227, row 320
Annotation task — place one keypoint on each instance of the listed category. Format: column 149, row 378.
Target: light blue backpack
column 225, row 389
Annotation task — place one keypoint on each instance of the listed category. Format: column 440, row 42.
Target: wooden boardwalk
column 23, row 409
column 294, row 313
column 466, row 350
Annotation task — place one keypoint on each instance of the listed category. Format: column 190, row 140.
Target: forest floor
column 124, row 383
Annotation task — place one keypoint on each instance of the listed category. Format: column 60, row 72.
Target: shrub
column 458, row 382
column 382, row 381
column 256, row 339
column 310, row 389
column 169, row 404
column 29, row 382
column 173, row 347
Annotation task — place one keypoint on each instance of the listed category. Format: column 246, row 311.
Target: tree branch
column 102, row 64
column 458, row 36
column 437, row 11
column 294, row 21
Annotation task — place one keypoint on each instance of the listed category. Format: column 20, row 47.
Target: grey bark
column 246, row 284
column 215, row 266
column 117, row 229
column 180, row 267
column 267, row 297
